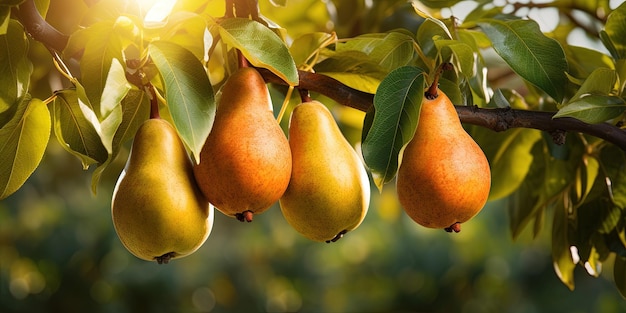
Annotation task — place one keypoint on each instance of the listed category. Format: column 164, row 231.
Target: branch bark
column 499, row 119
column 38, row 28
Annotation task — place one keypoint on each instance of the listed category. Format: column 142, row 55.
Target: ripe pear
column 329, row 191
column 245, row 163
column 444, row 176
column 159, row 213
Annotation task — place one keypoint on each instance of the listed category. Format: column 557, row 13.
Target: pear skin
column 158, row 211
column 329, row 191
column 444, row 177
column 245, row 163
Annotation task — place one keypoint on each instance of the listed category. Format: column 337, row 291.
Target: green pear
column 245, row 163
column 158, row 211
column 329, row 191
column 444, row 176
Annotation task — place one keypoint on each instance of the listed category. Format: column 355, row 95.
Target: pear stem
column 245, row 216
column 432, row 93
column 304, row 95
column 241, row 60
column 456, row 227
column 154, row 102
column 339, row 236
column 164, row 259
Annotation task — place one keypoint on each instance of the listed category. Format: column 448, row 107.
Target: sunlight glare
column 157, row 10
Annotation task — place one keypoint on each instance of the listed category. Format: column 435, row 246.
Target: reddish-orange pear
column 444, row 176
column 245, row 164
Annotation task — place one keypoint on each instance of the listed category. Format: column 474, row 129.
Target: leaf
column 593, row 108
column 397, row 104
column 614, row 32
column 135, row 110
column 110, row 114
column 600, row 82
column 279, row 3
column 619, row 274
column 427, row 33
column 463, row 55
column 354, row 69
column 562, row 251
column 390, row 50
column 188, row 92
column 15, row 66
column 261, row 46
column 74, row 131
column 101, row 48
column 5, row 17
column 510, row 156
column 23, row 141
column 303, row 48
column 535, row 57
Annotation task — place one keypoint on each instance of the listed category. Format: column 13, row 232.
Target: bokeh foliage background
column 59, row 252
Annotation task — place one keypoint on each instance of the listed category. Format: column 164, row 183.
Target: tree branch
column 38, row 28
column 499, row 119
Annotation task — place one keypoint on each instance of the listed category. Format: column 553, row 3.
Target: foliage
column 116, row 56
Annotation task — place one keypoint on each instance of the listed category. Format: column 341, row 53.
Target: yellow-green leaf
column 23, row 141
column 261, row 46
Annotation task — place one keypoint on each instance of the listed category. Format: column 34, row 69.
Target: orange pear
column 444, row 176
column 245, row 163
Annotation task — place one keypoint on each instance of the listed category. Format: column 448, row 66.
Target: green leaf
column 75, row 131
column 390, row 50
column 110, row 114
column 619, row 274
column 462, row 55
column 397, row 105
column 510, row 156
column 279, row 3
column 562, row 249
column 15, row 66
column 593, row 108
column 354, row 69
column 614, row 32
column 188, row 93
column 583, row 61
column 305, row 47
column 5, row 17
column 23, row 141
column 535, row 57
column 429, row 31
column 101, row 48
column 135, row 110
column 261, row 46
column 600, row 82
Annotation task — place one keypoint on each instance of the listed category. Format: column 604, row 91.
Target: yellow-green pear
column 158, row 211
column 329, row 191
column 444, row 176
column 245, row 163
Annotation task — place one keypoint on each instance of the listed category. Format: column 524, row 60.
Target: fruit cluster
column 247, row 164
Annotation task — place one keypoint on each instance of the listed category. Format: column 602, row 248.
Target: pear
column 245, row 163
column 444, row 176
column 329, row 191
column 158, row 211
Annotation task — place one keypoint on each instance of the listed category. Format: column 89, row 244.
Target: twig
column 38, row 28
